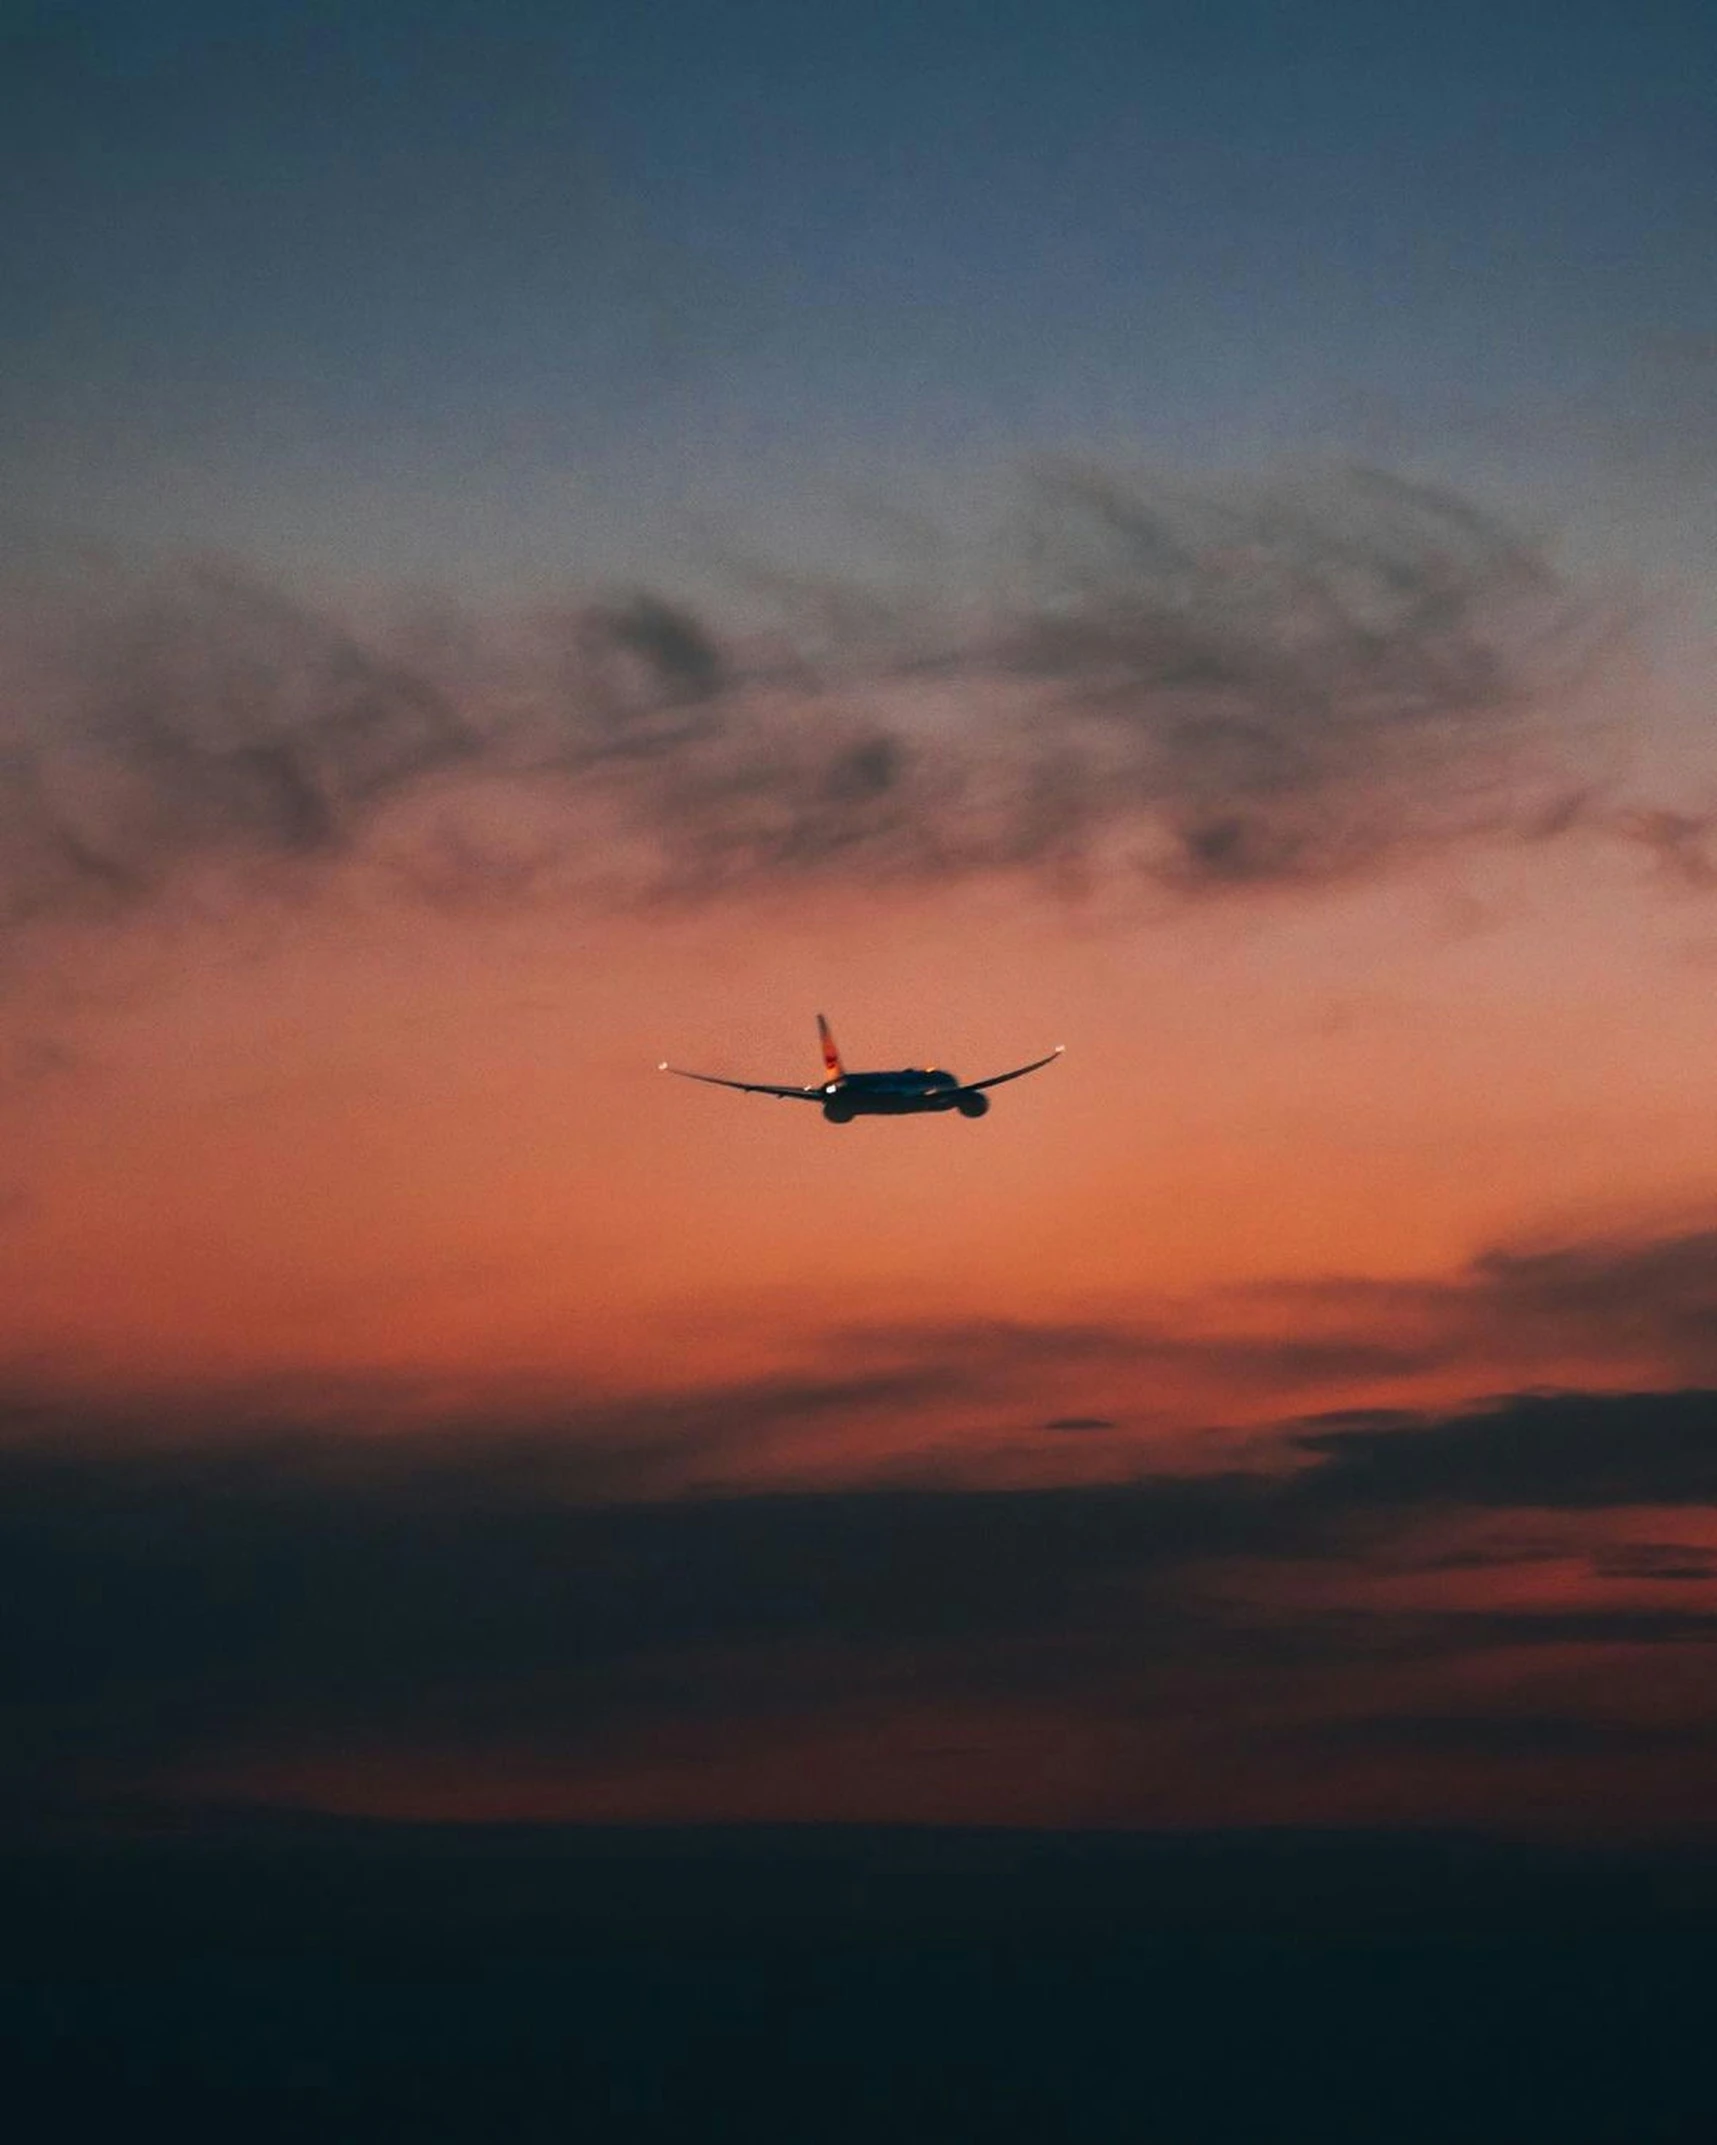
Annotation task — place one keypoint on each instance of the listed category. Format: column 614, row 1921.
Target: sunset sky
column 544, row 538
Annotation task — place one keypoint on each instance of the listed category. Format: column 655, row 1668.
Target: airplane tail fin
column 831, row 1056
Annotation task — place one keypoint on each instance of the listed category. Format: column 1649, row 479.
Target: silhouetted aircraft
column 846, row 1095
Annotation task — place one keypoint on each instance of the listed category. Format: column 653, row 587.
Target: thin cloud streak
column 1644, row 1304
column 988, row 1400
column 1634, row 1311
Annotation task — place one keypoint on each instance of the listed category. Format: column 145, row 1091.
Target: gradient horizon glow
column 544, row 540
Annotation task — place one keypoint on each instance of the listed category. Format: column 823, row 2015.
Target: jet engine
column 973, row 1105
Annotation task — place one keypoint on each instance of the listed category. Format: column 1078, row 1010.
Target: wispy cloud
column 200, row 718
column 1217, row 688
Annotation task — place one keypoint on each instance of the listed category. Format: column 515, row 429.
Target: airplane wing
column 971, row 1087
column 746, row 1087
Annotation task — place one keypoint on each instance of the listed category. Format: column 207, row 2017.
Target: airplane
column 846, row 1095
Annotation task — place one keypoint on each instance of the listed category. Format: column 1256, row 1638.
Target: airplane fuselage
column 907, row 1093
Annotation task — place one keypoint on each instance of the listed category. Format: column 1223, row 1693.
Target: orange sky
column 368, row 1138
column 336, row 1151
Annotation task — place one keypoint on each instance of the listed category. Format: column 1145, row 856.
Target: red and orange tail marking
column 831, row 1056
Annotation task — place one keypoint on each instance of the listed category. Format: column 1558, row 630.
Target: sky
column 538, row 540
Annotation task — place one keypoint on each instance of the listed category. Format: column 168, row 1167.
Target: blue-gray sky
column 513, row 294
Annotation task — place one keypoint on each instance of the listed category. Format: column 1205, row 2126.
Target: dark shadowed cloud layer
column 1558, row 1449
column 1217, row 687
column 285, row 1597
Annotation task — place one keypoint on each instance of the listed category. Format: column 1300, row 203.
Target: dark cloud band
column 179, row 1605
